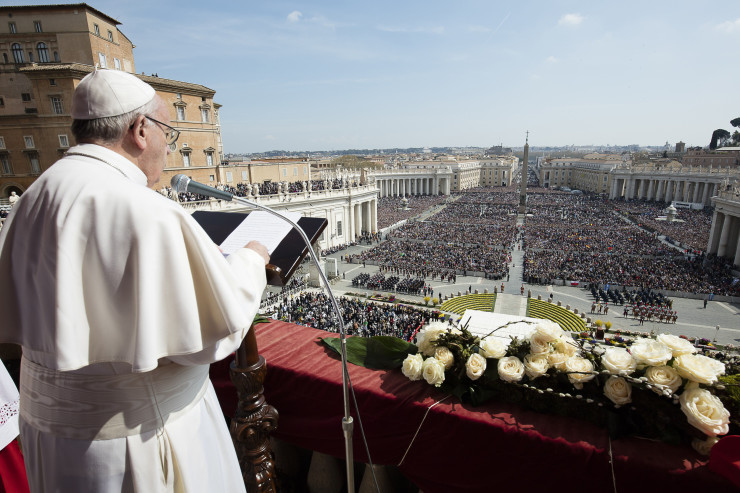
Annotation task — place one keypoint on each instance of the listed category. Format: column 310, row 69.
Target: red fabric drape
column 12, row 470
column 459, row 448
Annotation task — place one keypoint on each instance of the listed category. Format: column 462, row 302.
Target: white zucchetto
column 105, row 93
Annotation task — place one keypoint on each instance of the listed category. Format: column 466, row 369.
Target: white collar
column 111, row 158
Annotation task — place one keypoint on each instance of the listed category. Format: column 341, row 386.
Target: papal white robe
column 120, row 301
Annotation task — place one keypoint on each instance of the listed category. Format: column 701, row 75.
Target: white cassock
column 120, row 301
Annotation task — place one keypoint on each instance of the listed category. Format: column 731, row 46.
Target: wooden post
column 254, row 419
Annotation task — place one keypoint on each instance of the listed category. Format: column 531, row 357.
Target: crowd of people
column 409, row 285
column 294, row 286
column 586, row 238
column 417, row 258
column 691, row 227
column 361, row 318
column 264, row 188
column 391, row 211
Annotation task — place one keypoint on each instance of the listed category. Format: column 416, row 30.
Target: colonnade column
column 366, row 216
column 696, row 192
column 722, row 248
column 358, row 221
column 713, row 243
column 374, row 216
column 661, row 190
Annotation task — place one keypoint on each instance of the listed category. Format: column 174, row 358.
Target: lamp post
column 715, row 333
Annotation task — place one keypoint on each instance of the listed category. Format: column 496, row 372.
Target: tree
column 719, row 136
column 735, row 122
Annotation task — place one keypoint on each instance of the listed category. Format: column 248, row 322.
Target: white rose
column 412, row 365
column 698, row 368
column 433, row 371
column 475, row 366
column 664, row 375
column 510, row 369
column 579, row 370
column 705, row 412
column 618, row 361
column 566, row 345
column 704, row 447
column 557, row 360
column 536, row 365
column 678, row 346
column 427, row 337
column 649, row 352
column 618, row 390
column 550, row 331
column 492, row 347
column 445, row 356
column 539, row 344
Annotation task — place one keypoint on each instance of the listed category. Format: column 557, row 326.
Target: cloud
column 571, row 20
column 551, row 59
column 405, row 29
column 295, row 16
column 322, row 21
column 729, row 26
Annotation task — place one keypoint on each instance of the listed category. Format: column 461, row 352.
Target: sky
column 345, row 74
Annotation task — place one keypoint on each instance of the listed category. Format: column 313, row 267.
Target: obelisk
column 525, row 175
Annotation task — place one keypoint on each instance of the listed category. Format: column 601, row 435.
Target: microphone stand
column 181, row 183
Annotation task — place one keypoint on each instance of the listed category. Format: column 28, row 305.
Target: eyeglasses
column 171, row 134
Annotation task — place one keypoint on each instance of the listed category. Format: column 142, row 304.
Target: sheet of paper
column 261, row 226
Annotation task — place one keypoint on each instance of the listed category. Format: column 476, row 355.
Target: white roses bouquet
column 552, row 363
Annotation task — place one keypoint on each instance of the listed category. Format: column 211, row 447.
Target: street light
column 715, row 333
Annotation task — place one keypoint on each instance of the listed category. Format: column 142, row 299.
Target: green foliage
column 730, row 396
column 377, row 353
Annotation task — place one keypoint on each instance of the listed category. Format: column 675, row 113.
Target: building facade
column 288, row 170
column 720, row 158
column 591, row 173
column 444, row 176
column 44, row 53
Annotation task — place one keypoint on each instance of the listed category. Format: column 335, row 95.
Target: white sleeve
column 245, row 263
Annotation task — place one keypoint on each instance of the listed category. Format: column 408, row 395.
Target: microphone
column 181, row 184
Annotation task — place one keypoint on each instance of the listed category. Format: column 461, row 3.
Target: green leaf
column 377, row 353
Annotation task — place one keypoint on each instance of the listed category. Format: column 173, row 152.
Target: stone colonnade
column 698, row 190
column 724, row 238
column 363, row 217
column 404, row 185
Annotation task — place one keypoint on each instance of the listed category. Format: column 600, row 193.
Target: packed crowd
column 474, row 233
column 265, row 188
column 362, row 318
column 415, row 258
column 390, row 211
column 337, row 248
column 691, row 228
column 379, row 281
column 272, row 297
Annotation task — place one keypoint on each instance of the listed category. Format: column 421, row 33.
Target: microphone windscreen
column 179, row 183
